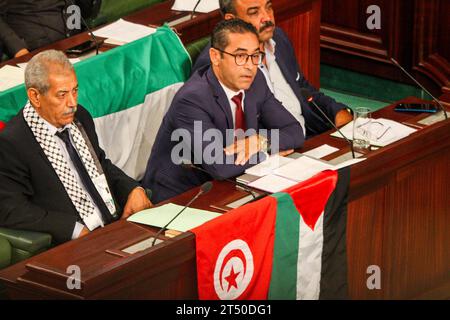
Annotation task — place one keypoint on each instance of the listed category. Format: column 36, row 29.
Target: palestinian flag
column 127, row 90
column 290, row 245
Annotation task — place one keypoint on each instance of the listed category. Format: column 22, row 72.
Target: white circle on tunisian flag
column 234, row 270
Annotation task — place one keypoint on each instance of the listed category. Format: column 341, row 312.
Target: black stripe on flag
column 333, row 283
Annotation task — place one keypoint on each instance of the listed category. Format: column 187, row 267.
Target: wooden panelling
column 401, row 225
column 304, row 32
column 431, row 43
column 365, row 226
column 415, row 33
column 351, row 35
column 417, row 229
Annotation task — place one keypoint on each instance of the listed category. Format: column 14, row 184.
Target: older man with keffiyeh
column 54, row 177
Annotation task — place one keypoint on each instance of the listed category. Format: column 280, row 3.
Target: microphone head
column 306, row 94
column 206, row 187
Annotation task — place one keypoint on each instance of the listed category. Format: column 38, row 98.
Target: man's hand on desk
column 244, row 148
column 342, row 118
column 84, row 232
column 285, row 152
column 21, row 52
column 137, row 201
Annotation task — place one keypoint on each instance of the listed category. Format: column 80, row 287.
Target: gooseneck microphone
column 420, row 85
column 88, row 30
column 204, row 188
column 188, row 165
column 195, row 8
column 308, row 96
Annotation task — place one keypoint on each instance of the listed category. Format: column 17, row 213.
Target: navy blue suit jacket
column 285, row 57
column 203, row 99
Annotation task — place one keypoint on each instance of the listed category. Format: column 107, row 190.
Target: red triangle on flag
column 311, row 196
column 2, row 125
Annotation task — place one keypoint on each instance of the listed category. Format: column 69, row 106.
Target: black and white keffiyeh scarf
column 49, row 145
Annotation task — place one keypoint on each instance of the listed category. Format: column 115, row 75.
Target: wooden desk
column 300, row 19
column 398, row 220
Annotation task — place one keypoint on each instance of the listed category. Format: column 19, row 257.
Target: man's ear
column 229, row 16
column 34, row 96
column 214, row 56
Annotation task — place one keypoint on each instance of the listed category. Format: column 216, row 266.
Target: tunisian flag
column 234, row 252
column 290, row 245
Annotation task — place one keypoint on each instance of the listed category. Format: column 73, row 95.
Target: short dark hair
column 219, row 37
column 227, row 6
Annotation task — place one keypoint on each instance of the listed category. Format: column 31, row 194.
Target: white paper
column 141, row 246
column 267, row 166
column 321, row 151
column 160, row 216
column 302, row 169
column 114, row 42
column 434, row 118
column 348, row 163
column 204, row 6
column 296, row 171
column 74, row 60
column 124, row 31
column 240, row 202
column 10, row 77
column 272, row 183
column 380, row 137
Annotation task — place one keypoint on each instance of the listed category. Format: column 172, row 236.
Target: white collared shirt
column 279, row 86
column 78, row 226
column 230, row 94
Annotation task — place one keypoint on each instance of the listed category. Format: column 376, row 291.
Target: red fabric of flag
column 235, row 251
column 311, row 196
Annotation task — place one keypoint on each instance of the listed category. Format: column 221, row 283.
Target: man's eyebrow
column 67, row 90
column 240, row 49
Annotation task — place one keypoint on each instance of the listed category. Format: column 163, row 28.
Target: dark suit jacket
column 31, row 195
column 285, row 57
column 203, row 99
column 32, row 24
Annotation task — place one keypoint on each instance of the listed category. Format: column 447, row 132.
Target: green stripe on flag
column 11, row 101
column 283, row 283
column 120, row 78
column 116, row 81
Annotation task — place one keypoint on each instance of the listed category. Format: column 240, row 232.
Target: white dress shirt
column 78, row 226
column 230, row 94
column 279, row 86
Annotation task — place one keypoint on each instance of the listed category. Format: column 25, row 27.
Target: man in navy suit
column 280, row 68
column 227, row 97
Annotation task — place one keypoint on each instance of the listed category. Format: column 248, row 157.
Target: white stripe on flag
column 128, row 136
column 309, row 263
